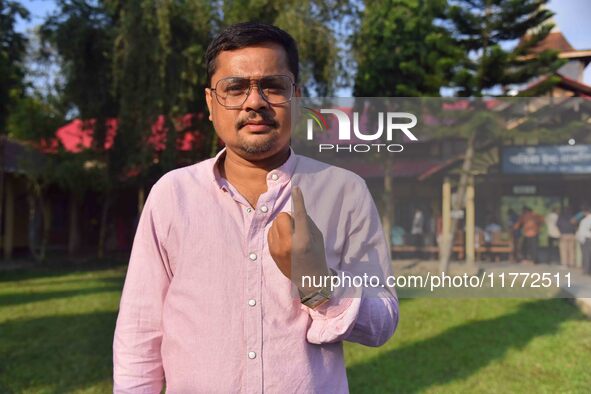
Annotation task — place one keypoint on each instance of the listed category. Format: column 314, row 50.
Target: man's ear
column 208, row 100
column 298, row 91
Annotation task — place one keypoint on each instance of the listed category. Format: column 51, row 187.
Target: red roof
column 555, row 41
column 77, row 135
column 566, row 83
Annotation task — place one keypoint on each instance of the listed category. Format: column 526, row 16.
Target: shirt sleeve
column 364, row 314
column 137, row 363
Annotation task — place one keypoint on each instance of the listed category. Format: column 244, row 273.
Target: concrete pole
column 470, row 222
column 445, row 212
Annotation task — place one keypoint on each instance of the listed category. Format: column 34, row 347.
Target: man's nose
column 255, row 100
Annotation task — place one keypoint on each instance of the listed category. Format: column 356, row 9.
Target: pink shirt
column 205, row 308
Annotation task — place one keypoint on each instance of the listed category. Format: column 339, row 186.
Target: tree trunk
column 103, row 225
column 74, row 230
column 35, row 200
column 447, row 240
column 8, row 239
column 47, row 214
column 32, row 202
column 1, row 177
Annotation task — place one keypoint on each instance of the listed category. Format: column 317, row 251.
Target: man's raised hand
column 296, row 244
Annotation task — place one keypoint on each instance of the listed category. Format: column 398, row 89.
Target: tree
column 160, row 71
column 312, row 23
column 12, row 54
column 34, row 119
column 82, row 33
column 485, row 29
column 159, row 74
column 143, row 62
column 13, row 47
column 401, row 50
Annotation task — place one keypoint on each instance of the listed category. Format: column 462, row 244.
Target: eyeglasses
column 232, row 92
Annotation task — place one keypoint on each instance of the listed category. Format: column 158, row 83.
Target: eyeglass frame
column 258, row 81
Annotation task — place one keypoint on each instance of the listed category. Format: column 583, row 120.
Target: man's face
column 256, row 130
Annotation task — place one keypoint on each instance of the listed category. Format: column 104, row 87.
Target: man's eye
column 274, row 87
column 274, row 92
column 277, row 92
column 234, row 88
column 273, row 84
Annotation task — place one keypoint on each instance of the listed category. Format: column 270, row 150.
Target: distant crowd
column 567, row 230
column 569, row 235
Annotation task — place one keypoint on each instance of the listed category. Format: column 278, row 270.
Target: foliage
column 159, row 70
column 312, row 23
column 82, row 31
column 402, row 49
column 486, row 30
column 12, row 54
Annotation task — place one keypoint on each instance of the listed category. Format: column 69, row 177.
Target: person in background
column 529, row 222
column 397, row 235
column 553, row 232
column 512, row 218
column 580, row 215
column 575, row 220
column 492, row 235
column 418, row 224
column 567, row 244
column 492, row 231
column 584, row 238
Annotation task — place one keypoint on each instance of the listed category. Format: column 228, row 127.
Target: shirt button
column 274, row 176
column 252, row 302
column 252, row 256
column 249, row 210
column 264, row 209
column 251, row 355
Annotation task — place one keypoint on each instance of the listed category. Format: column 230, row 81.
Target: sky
column 573, row 18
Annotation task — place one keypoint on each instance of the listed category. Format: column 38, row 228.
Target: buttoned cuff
column 334, row 320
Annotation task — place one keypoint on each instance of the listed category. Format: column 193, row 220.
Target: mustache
column 258, row 117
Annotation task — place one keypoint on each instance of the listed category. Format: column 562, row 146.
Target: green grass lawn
column 56, row 331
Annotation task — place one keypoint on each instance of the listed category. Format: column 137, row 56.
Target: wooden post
column 8, row 241
column 445, row 212
column 470, row 221
column 74, row 230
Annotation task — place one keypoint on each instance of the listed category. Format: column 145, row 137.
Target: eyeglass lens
column 233, row 91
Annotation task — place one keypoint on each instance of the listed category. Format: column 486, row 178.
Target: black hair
column 242, row 35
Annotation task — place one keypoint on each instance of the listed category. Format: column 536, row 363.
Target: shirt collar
column 279, row 175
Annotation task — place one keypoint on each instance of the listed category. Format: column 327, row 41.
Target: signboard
column 524, row 189
column 556, row 159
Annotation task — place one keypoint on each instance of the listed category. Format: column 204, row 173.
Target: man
column 208, row 302
column 529, row 222
column 512, row 218
column 567, row 243
column 551, row 220
column 416, row 231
